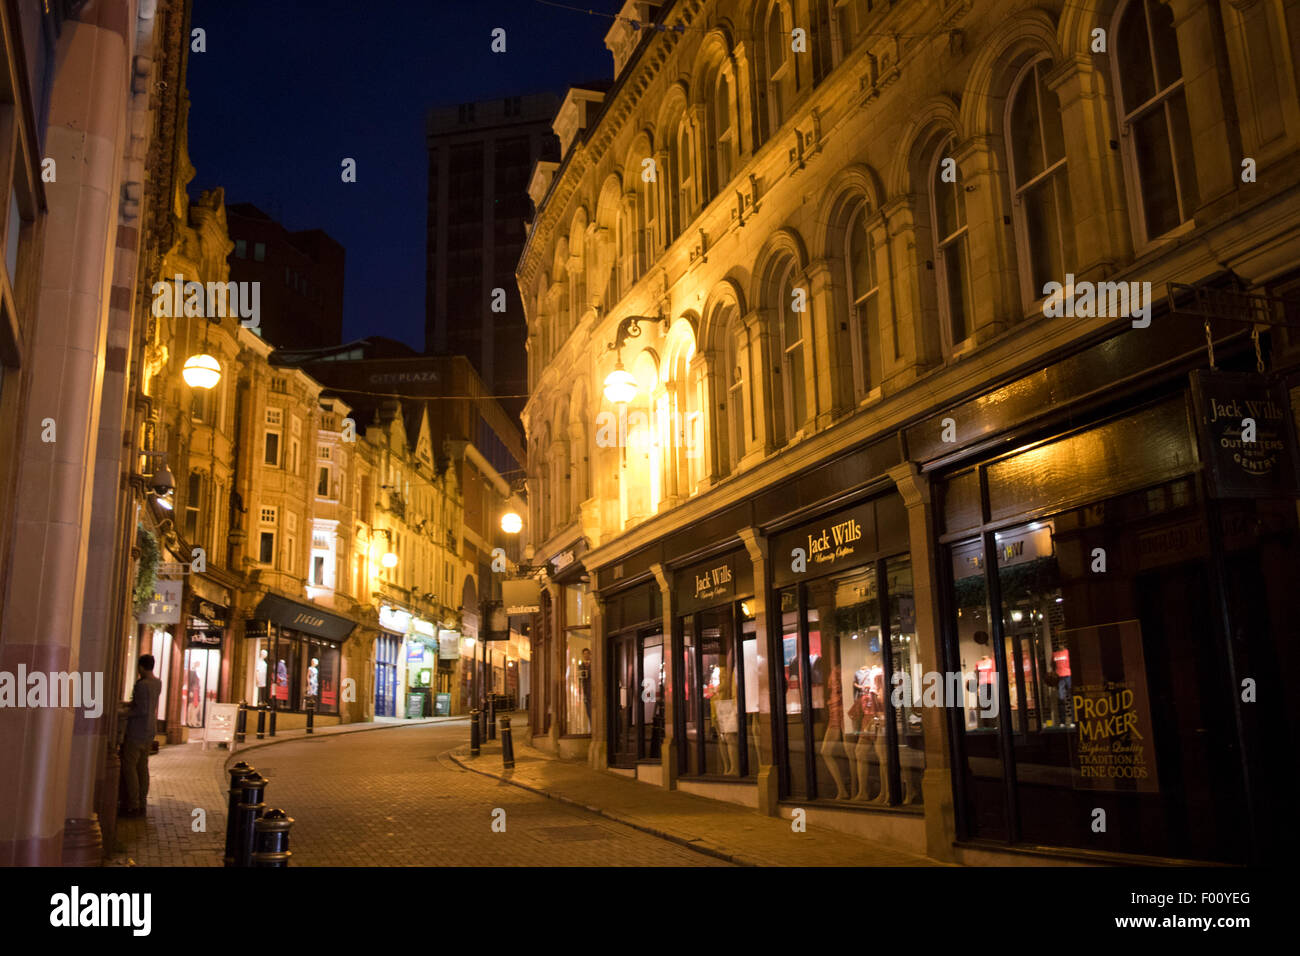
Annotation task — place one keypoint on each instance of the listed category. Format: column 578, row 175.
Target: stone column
column 53, row 498
column 668, row 752
column 598, row 752
column 830, row 390
column 936, row 783
column 1211, row 110
column 990, row 239
column 764, row 359
column 911, row 248
column 769, row 790
column 1102, row 235
column 555, row 664
column 892, row 367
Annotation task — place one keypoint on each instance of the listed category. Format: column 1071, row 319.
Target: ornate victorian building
column 864, row 457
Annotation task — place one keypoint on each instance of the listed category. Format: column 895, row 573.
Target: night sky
column 289, row 88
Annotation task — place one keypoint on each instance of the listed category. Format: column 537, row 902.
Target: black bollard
column 311, row 715
column 249, row 809
column 473, row 733
column 272, row 839
column 270, row 731
column 491, row 718
column 238, row 773
column 241, row 723
column 507, row 743
column 261, row 721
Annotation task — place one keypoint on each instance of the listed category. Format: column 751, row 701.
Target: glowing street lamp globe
column 201, row 371
column 511, row 523
column 389, row 560
column 620, row 385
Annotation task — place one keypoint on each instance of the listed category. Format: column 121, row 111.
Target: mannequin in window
column 722, row 708
column 313, row 675
column 872, row 708
column 832, row 748
column 261, row 677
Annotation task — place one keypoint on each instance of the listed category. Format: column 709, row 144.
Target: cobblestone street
column 405, row 796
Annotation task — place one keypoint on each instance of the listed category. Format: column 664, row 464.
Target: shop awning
column 303, row 617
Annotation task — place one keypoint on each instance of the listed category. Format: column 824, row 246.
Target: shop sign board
column 832, row 543
column 164, row 604
column 522, row 596
column 448, row 646
column 1247, row 435
column 1112, row 744
column 442, row 705
column 713, row 582
column 220, row 725
column 414, row 705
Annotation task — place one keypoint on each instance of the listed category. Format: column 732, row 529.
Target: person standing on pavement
column 140, row 724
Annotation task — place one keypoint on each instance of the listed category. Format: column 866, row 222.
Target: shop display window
column 577, row 681
column 852, row 710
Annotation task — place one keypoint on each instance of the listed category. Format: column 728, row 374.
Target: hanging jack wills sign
column 1247, row 435
column 714, row 582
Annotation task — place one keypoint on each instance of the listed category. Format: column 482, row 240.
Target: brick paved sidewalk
column 184, row 778
column 725, row 830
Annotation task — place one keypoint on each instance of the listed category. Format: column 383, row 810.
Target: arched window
column 685, row 177
column 741, row 432
column 681, row 415
column 1153, row 111
column 825, row 39
column 951, row 247
column 791, row 308
column 722, row 133
column 864, row 288
column 782, row 66
column 1039, row 187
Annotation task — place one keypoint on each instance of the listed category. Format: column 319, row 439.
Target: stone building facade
column 824, row 251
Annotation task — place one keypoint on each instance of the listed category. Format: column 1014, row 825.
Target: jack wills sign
column 713, row 582
column 1247, row 435
column 837, row 541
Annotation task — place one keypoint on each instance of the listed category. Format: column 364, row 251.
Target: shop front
column 388, row 646
column 296, row 655
column 846, row 663
column 718, row 647
column 1118, row 589
column 636, row 671
column 204, row 652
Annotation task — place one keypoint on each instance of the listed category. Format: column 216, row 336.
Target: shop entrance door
column 622, row 700
column 202, row 669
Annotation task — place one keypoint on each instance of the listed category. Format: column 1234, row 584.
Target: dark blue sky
column 288, row 88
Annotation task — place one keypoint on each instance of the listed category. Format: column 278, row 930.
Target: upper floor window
column 1153, row 108
column 1040, row 188
column 951, row 247
column 741, row 430
column 792, row 307
column 722, row 133
column 864, row 301
column 782, row 65
column 685, row 176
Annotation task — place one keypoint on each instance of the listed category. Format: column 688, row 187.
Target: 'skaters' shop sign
column 714, row 582
column 1246, row 433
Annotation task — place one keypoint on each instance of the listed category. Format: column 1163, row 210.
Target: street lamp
column 202, row 370
column 620, row 385
column 389, row 557
column 511, row 523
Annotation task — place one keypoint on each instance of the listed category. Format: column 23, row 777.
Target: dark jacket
column 142, row 718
